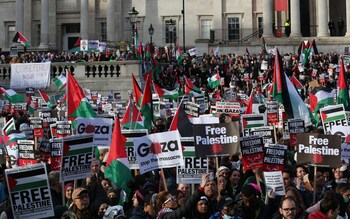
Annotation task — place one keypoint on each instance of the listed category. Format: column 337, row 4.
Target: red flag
column 137, row 90
column 249, row 109
column 77, row 43
column 117, row 148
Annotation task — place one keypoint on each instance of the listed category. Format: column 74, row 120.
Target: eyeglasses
column 172, row 198
column 289, row 209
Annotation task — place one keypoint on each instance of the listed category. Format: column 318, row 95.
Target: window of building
column 11, row 31
column 103, row 31
column 260, row 26
column 170, row 31
column 38, row 35
column 73, row 28
column 233, row 28
column 206, row 26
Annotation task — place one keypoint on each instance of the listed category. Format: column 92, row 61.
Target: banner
column 216, row 139
column 29, row 191
column 77, row 155
column 191, row 109
column 295, row 126
column 266, row 132
column 48, row 117
column 194, row 166
column 101, row 127
column 252, row 152
column 272, row 112
column 63, row 128
column 26, row 152
column 333, row 116
column 274, row 156
column 319, row 149
column 274, row 183
column 160, row 150
column 231, row 108
column 130, row 136
column 250, row 121
column 36, row 75
column 56, row 146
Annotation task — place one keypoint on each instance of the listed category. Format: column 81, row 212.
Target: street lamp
column 171, row 27
column 150, row 32
column 133, row 19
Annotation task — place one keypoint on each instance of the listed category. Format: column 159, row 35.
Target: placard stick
column 63, row 194
column 75, row 183
column 163, row 178
column 257, row 178
column 274, row 133
column 315, row 180
column 36, row 143
column 217, row 162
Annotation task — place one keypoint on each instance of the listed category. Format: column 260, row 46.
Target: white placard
column 36, row 75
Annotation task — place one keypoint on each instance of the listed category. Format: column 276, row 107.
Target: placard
column 101, row 127
column 36, row 75
column 266, row 132
column 252, row 152
column 233, row 109
column 191, row 109
column 26, row 152
column 250, row 121
column 130, row 136
column 274, row 156
column 333, row 116
column 56, row 146
column 274, row 183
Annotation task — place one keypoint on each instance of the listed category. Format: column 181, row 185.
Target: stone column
column 111, row 34
column 84, row 19
column 268, row 18
column 44, row 34
column 322, row 11
column 347, row 18
column 295, row 18
column 19, row 15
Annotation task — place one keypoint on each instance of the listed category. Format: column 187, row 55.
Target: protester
column 81, row 204
column 329, row 207
column 201, row 211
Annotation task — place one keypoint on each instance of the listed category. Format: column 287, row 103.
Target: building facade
column 57, row 24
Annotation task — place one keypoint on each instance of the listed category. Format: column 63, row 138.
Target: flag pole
column 163, row 178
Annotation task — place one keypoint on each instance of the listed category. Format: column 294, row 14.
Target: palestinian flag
column 12, row 96
column 313, row 48
column 249, row 109
column 252, row 121
column 296, row 83
column 117, row 163
column 31, row 106
column 149, row 73
column 263, row 47
column 60, row 81
column 332, row 113
column 146, row 107
column 342, row 89
column 181, row 122
column 132, row 117
column 304, row 52
column 214, row 81
column 77, row 104
column 137, row 90
column 45, row 97
column 285, row 93
column 167, row 94
column 320, row 97
column 140, row 51
column 148, row 50
column 9, row 126
column 191, row 89
column 11, row 144
column 19, row 38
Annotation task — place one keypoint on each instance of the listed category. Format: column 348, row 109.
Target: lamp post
column 133, row 19
column 150, row 32
column 172, row 30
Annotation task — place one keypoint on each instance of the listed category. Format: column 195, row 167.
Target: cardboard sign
column 272, row 112
column 319, row 149
column 333, row 116
column 130, row 136
column 191, row 109
column 267, row 133
column 100, row 127
column 252, row 152
column 48, row 117
column 63, row 128
column 274, row 156
column 216, row 139
column 231, row 108
column 56, row 146
column 295, row 126
column 29, row 191
column 160, row 150
column 26, row 152
column 77, row 155
column 36, row 122
column 250, row 121
column 194, row 166
column 45, row 149
column 274, row 183
column 36, row 75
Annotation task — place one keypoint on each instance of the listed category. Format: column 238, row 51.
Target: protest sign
column 130, row 136
column 274, row 156
column 56, row 146
column 29, row 191
column 272, row 112
column 45, row 150
column 100, row 127
column 216, row 139
column 251, row 121
column 191, row 109
column 193, row 167
column 36, row 75
column 36, row 123
column 266, row 132
column 26, row 152
column 48, row 117
column 274, row 183
column 77, row 154
column 63, row 128
column 345, row 151
column 160, row 150
column 12, row 146
column 319, row 149
column 230, row 108
column 295, row 126
column 333, row 116
column 252, row 152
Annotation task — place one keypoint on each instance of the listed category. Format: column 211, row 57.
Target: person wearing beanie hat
column 138, row 203
column 201, row 210
column 224, row 171
column 68, row 190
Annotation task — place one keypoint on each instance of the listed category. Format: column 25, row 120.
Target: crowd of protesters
column 231, row 192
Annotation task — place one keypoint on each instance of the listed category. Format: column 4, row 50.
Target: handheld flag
column 19, row 38
column 181, row 122
column 146, row 105
column 60, row 81
column 342, row 89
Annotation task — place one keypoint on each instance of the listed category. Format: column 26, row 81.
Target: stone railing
column 97, row 76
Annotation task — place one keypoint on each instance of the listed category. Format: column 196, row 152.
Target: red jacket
column 318, row 215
